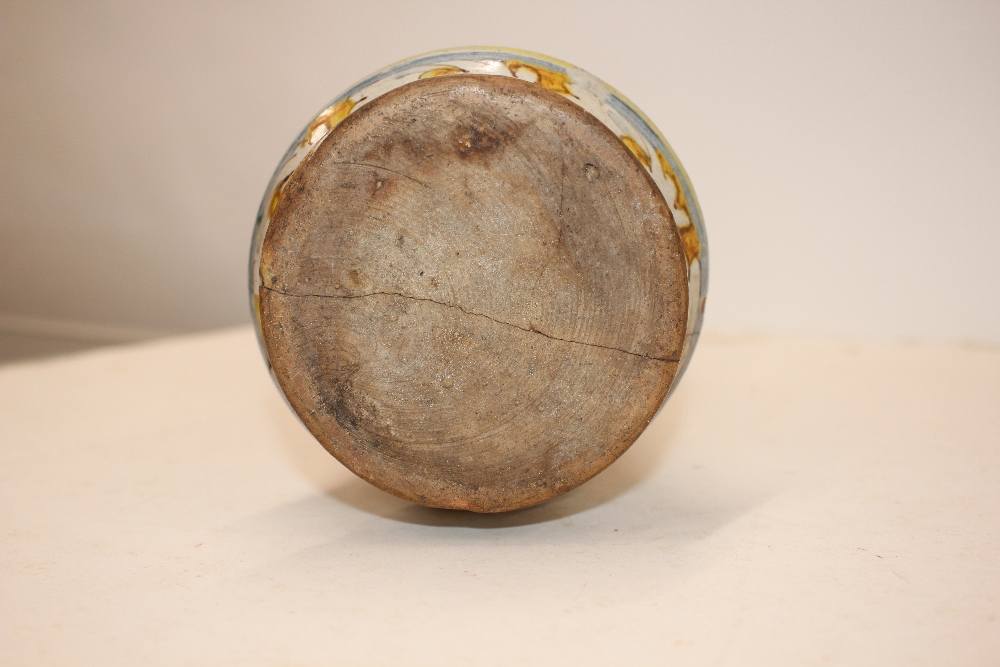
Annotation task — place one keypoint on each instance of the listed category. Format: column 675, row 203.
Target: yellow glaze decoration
column 273, row 204
column 256, row 308
column 638, row 151
column 680, row 201
column 555, row 81
column 329, row 119
column 441, row 71
column 689, row 235
column 690, row 241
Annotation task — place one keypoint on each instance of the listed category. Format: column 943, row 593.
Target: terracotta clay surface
column 473, row 294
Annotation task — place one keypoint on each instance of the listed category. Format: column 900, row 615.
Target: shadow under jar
column 476, row 277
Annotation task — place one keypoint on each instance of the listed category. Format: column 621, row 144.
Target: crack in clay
column 469, row 312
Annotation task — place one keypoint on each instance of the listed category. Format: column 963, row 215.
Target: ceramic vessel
column 477, row 275
column 605, row 103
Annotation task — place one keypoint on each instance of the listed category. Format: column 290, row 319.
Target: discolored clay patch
column 480, row 140
column 473, row 294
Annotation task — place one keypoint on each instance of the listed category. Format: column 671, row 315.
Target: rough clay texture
column 473, row 295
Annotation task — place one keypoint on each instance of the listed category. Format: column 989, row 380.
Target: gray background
column 845, row 154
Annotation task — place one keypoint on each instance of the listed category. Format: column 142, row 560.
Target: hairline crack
column 468, row 312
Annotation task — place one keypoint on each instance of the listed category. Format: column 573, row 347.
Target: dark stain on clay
column 381, row 186
column 335, row 398
column 352, row 410
column 337, row 408
column 356, row 415
column 480, row 140
column 384, row 152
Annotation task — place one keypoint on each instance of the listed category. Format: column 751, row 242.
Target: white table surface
column 797, row 502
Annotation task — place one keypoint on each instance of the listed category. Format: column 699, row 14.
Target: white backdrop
column 845, row 154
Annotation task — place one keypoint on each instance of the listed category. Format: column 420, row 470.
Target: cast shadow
column 637, row 464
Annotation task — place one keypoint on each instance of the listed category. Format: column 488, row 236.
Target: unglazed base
column 473, row 293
